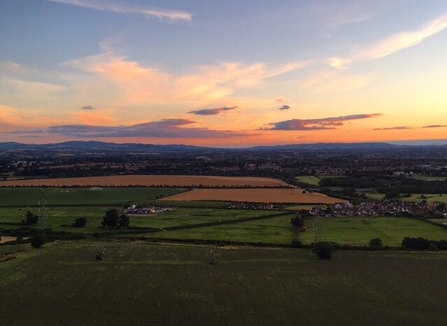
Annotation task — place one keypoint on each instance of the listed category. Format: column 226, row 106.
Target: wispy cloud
column 212, row 111
column 392, row 44
column 88, row 107
column 167, row 128
column 132, row 83
column 284, row 107
column 122, row 8
column 394, row 128
column 334, row 81
column 435, row 126
column 317, row 124
column 348, row 20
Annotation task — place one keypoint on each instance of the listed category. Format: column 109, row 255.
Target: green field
column 309, row 179
column 413, row 198
column 146, row 284
column 428, row 178
column 356, row 231
column 429, row 198
column 61, row 218
column 81, row 196
column 359, row 231
column 274, row 230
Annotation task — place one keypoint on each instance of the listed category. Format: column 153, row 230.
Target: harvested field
column 284, row 196
column 149, row 181
column 5, row 238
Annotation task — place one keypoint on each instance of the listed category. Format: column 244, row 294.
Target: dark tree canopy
column 113, row 219
column 323, row 250
column 38, row 241
column 80, row 222
column 297, row 222
column 376, row 243
column 30, row 219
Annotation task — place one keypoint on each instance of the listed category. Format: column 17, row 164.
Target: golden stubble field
column 149, row 181
column 274, row 196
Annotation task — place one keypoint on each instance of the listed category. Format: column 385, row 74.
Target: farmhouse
column 135, row 210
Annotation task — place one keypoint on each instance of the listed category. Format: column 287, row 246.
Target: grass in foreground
column 144, row 284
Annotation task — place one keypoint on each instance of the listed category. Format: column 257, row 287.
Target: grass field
column 429, row 198
column 274, row 230
column 81, row 196
column 359, row 231
column 414, row 197
column 274, row 195
column 309, row 179
column 60, row 218
column 144, row 284
column 355, row 231
column 428, row 178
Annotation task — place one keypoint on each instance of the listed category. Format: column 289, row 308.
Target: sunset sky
column 223, row 73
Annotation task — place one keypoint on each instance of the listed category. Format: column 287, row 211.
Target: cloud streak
column 392, row 44
column 214, row 111
column 394, row 128
column 167, row 128
column 122, row 8
column 131, row 83
column 435, row 126
column 318, row 124
column 284, row 107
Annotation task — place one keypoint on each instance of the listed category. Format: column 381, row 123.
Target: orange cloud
column 93, row 118
column 132, row 83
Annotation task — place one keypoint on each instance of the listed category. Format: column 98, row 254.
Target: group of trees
column 114, row 219
column 30, row 219
column 423, row 244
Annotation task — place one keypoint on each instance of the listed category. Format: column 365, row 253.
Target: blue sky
column 104, row 67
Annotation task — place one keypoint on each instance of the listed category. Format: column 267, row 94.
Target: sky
column 230, row 73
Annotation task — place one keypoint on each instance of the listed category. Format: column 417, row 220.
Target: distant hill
column 97, row 146
column 328, row 146
column 102, row 146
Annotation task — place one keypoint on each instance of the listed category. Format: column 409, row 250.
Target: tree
column 110, row 219
column 297, row 221
column 376, row 243
column 123, row 221
column 30, row 219
column 113, row 219
column 80, row 222
column 323, row 250
column 392, row 195
column 38, row 241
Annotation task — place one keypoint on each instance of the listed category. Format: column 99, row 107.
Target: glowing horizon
column 230, row 74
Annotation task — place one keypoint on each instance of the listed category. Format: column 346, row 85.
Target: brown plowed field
column 149, row 180
column 274, row 195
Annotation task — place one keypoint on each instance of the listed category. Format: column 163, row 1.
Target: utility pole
column 42, row 211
